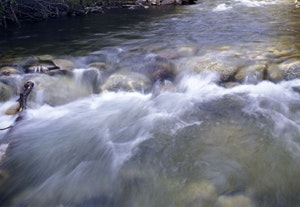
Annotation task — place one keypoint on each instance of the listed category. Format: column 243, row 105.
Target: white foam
column 251, row 3
column 222, row 7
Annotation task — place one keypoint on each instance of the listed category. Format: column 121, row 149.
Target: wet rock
column 56, row 90
column 231, row 84
column 252, row 74
column 168, row 2
column 274, row 73
column 44, row 58
column 158, row 68
column 37, row 69
column 89, row 77
column 98, row 65
column 4, row 175
column 60, row 72
column 186, row 51
column 297, row 3
column 63, row 64
column 28, row 61
column 13, row 109
column 237, row 200
column 226, row 66
column 201, row 193
column 5, row 92
column 291, row 70
column 127, row 81
column 9, row 70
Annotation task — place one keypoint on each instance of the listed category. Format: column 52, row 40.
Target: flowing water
column 196, row 144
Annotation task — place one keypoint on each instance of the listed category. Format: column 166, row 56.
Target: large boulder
column 227, row 65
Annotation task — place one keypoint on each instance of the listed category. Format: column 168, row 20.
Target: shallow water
column 200, row 144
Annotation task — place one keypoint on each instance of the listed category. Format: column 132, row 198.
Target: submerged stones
column 152, row 73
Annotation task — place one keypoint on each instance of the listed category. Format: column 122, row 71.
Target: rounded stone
column 63, row 64
column 9, row 70
column 127, row 81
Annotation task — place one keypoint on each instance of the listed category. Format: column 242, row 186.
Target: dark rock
column 159, row 68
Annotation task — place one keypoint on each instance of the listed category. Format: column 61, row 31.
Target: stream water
column 197, row 143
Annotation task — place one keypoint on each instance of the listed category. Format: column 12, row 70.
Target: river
column 202, row 134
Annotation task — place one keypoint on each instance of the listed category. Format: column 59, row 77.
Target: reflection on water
column 189, row 142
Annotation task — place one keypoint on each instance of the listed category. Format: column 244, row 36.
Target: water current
column 195, row 143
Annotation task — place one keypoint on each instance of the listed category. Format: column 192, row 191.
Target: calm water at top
column 199, row 145
column 254, row 25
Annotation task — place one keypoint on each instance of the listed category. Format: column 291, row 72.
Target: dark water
column 200, row 144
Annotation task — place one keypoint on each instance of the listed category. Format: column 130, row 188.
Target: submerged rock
column 158, row 68
column 275, row 74
column 227, row 65
column 161, row 86
column 98, row 65
column 5, row 92
column 237, row 200
column 201, row 193
column 56, row 90
column 63, row 64
column 127, row 81
column 252, row 74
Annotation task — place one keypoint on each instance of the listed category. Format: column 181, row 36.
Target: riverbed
column 171, row 106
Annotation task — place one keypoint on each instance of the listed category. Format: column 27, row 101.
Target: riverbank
column 15, row 12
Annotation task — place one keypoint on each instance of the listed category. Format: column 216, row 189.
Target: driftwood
column 22, row 101
column 23, row 96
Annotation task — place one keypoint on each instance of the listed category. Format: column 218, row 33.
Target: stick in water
column 23, row 99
